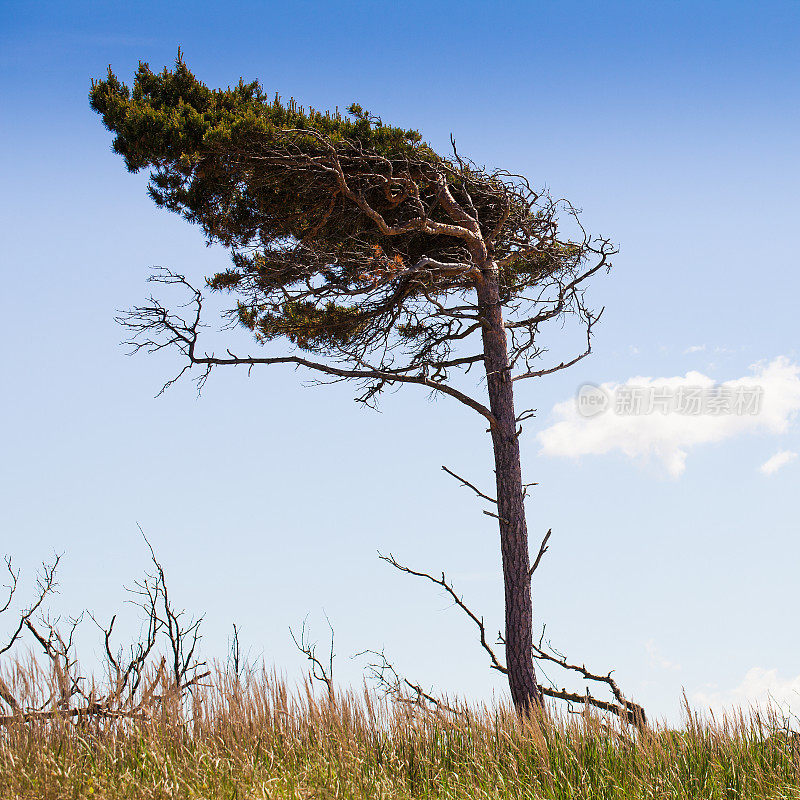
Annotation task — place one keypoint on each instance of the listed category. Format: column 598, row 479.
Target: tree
column 377, row 259
column 139, row 685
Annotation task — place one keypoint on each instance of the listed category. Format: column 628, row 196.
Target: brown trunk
column 525, row 692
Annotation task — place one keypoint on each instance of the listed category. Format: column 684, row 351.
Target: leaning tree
column 371, row 257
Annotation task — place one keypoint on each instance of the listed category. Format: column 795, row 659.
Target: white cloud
column 780, row 459
column 695, row 348
column 668, row 437
column 759, row 688
column 657, row 659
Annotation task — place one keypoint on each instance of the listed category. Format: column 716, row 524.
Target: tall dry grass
column 253, row 738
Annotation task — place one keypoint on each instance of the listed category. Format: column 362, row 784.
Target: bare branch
column 469, row 485
column 495, row 663
column 397, row 687
column 587, row 699
column 12, row 587
column 318, row 671
column 46, row 585
column 591, row 320
column 155, row 328
column 542, row 550
column 626, row 709
column 133, row 682
column 59, row 649
column 496, row 516
column 182, row 637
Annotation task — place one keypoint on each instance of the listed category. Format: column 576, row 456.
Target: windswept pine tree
column 371, row 258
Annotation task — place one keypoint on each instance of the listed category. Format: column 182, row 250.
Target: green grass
column 258, row 740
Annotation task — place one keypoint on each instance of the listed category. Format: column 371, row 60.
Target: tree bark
column 525, row 691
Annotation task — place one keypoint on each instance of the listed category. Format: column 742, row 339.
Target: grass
column 253, row 738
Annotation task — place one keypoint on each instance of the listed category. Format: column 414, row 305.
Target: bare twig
column 45, row 584
column 133, row 682
column 388, row 680
column 466, row 483
column 627, row 709
column 543, row 548
column 182, row 637
column 495, row 663
column 319, row 671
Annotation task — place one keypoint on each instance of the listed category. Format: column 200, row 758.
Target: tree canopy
column 349, row 237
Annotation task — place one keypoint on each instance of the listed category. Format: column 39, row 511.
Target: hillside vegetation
column 250, row 737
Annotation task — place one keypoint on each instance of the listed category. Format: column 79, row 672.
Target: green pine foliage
column 254, row 173
column 193, row 139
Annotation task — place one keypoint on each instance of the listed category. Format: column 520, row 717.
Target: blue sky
column 672, row 125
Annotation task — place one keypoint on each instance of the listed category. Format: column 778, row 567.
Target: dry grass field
column 252, row 737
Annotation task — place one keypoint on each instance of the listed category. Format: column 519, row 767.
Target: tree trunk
column 525, row 691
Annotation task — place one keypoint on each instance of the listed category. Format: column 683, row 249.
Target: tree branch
column 46, row 584
column 155, row 321
column 469, row 485
column 131, row 691
column 495, row 663
column 318, row 671
column 395, row 686
column 627, row 709
column 543, row 548
column 624, row 708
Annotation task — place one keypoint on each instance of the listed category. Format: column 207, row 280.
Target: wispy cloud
column 668, row 437
column 695, row 348
column 780, row 459
column 759, row 688
column 657, row 659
